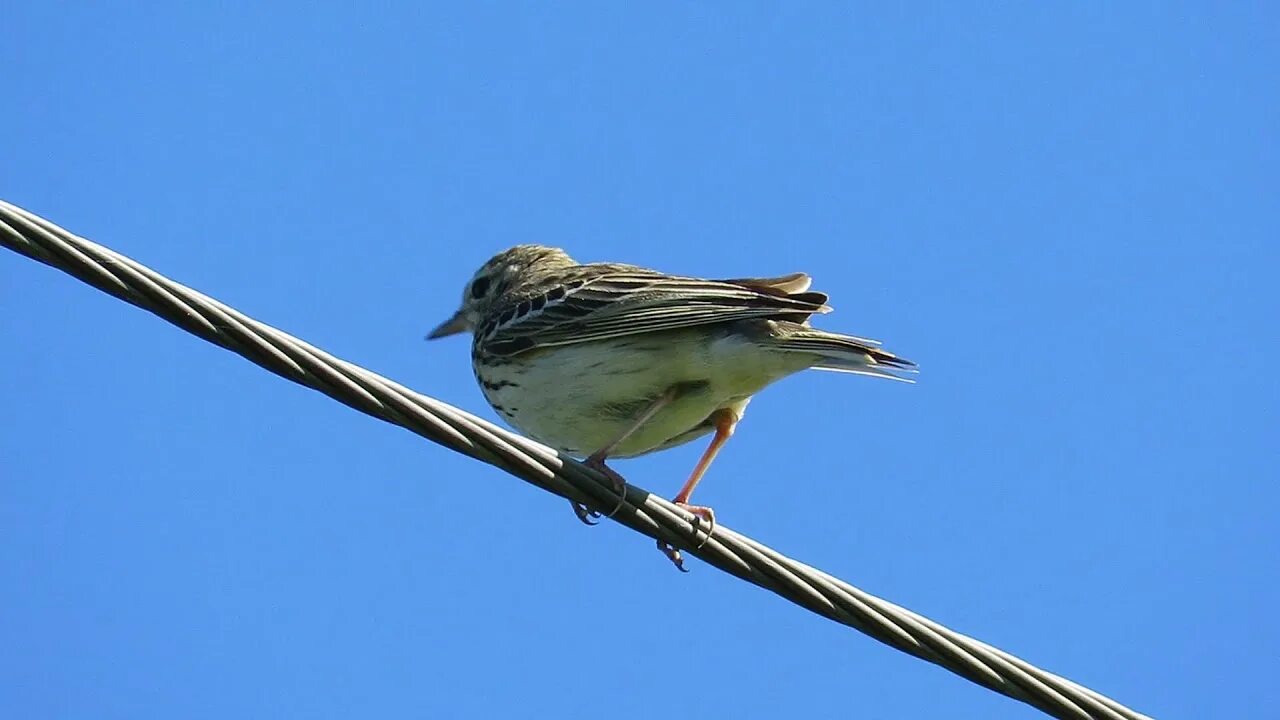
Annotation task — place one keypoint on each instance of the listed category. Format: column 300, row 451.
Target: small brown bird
column 608, row 360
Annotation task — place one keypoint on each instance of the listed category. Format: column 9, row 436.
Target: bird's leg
column 725, row 421
column 596, row 459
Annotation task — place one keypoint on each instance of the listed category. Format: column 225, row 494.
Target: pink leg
column 725, row 422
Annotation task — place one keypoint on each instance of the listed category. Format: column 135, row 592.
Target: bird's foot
column 585, row 514
column 700, row 513
column 588, row 516
column 673, row 555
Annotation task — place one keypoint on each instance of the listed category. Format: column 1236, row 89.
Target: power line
column 642, row 511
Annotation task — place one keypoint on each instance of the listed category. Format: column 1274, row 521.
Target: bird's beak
column 452, row 326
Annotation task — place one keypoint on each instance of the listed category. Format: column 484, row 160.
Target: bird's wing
column 633, row 302
column 787, row 284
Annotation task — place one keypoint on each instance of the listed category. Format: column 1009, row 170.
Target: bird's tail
column 846, row 353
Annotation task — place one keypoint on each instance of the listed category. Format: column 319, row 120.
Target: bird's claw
column 673, row 555
column 585, row 514
column 588, row 516
column 699, row 513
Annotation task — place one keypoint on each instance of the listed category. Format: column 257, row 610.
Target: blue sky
column 1066, row 215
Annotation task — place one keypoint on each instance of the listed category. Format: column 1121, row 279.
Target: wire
column 642, row 511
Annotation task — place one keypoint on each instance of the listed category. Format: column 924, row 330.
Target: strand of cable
column 644, row 512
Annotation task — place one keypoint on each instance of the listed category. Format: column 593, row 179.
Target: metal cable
column 457, row 430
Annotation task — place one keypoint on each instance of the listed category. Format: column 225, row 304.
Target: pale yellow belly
column 580, row 398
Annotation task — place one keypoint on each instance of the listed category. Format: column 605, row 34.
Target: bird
column 608, row 360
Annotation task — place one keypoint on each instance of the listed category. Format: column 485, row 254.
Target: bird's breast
column 582, row 397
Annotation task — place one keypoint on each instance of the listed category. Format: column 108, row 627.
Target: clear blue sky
column 1067, row 215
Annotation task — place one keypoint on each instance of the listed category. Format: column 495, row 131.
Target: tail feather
column 845, row 353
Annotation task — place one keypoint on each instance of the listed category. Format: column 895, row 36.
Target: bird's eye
column 479, row 287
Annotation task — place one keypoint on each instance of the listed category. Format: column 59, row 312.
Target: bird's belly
column 580, row 398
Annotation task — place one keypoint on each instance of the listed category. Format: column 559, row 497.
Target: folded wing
column 634, row 302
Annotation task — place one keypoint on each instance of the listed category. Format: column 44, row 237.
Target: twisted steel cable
column 644, row 512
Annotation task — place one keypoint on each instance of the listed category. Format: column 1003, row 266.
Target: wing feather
column 633, row 302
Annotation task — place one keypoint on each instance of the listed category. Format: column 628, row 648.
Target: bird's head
column 500, row 280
